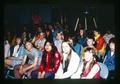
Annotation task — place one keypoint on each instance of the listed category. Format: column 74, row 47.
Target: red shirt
column 48, row 67
column 97, row 75
column 100, row 42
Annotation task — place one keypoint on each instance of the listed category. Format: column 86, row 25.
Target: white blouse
column 72, row 67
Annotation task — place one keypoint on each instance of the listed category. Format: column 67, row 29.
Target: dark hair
column 78, row 33
column 71, row 36
column 112, row 40
column 89, row 49
column 54, row 49
column 97, row 30
column 50, row 37
column 91, row 37
column 59, row 32
column 82, row 29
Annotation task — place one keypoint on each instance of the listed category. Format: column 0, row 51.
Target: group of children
column 53, row 54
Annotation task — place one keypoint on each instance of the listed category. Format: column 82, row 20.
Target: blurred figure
column 100, row 44
column 58, row 41
column 90, row 43
column 31, row 61
column 49, row 35
column 57, row 28
column 36, row 20
column 108, row 35
column 6, row 49
column 76, row 46
column 50, row 62
column 81, row 37
column 17, row 55
column 110, row 58
column 69, row 62
column 89, row 69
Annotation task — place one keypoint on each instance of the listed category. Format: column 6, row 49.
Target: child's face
column 18, row 41
column 48, row 47
column 112, row 46
column 28, row 46
column 88, row 56
column 71, row 40
column 81, row 32
column 90, row 42
column 59, row 36
column 66, row 48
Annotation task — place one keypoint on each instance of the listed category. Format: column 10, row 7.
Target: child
column 110, row 58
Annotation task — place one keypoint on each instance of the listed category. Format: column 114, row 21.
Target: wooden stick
column 76, row 24
column 61, row 19
column 94, row 22
column 85, row 23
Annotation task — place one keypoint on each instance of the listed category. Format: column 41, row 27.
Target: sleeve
column 78, row 73
column 7, row 50
column 36, row 53
column 21, row 51
column 100, row 43
column 56, row 62
column 105, row 59
column 110, row 63
column 77, row 49
column 113, row 64
column 41, row 67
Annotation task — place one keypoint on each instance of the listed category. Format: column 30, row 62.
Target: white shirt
column 58, row 44
column 72, row 67
column 15, row 52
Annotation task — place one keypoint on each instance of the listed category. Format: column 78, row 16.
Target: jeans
column 48, row 75
column 34, row 74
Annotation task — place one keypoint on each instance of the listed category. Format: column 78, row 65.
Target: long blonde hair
column 90, row 49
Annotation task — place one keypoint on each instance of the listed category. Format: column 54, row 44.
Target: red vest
column 97, row 75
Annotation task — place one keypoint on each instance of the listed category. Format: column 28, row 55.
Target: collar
column 96, row 37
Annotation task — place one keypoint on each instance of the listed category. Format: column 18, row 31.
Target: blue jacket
column 82, row 41
column 77, row 47
column 110, row 61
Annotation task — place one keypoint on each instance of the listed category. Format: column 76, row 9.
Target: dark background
column 17, row 15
